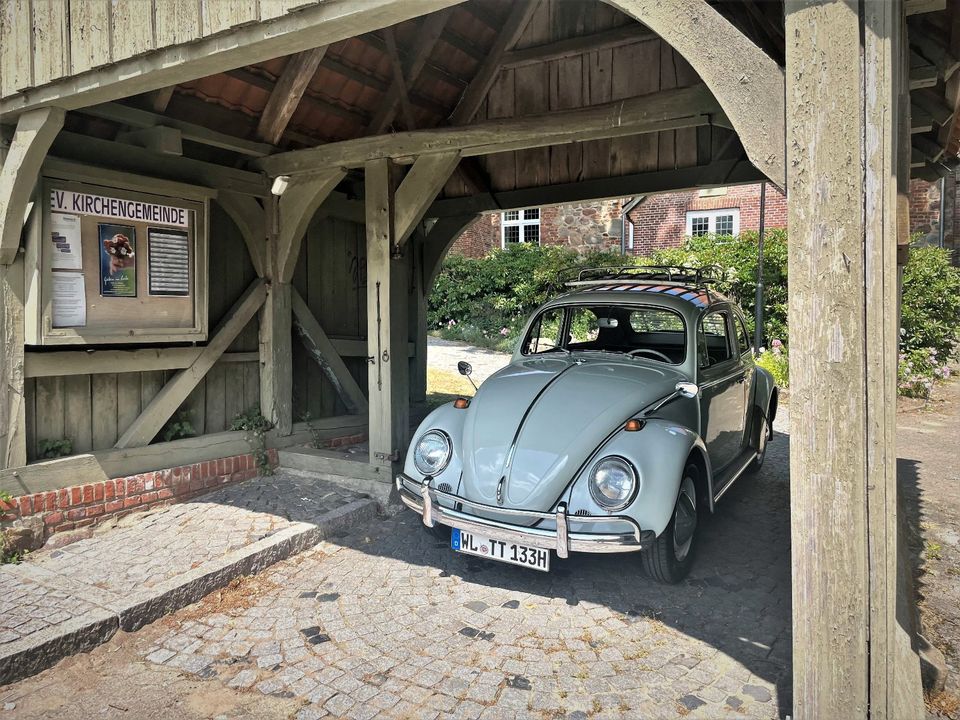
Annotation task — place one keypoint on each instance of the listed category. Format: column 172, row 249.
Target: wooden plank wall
column 331, row 277
column 597, row 77
column 93, row 410
column 43, row 40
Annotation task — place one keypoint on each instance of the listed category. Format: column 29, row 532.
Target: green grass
column 443, row 387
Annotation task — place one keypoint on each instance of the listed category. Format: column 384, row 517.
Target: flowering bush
column 776, row 362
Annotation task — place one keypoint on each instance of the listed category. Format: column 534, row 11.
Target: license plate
column 473, row 544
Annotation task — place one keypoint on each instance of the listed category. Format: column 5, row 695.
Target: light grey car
column 630, row 406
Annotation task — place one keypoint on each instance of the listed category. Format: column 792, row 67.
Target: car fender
column 659, row 452
column 765, row 397
column 449, row 420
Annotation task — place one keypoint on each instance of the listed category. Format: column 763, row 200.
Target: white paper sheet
column 69, row 300
column 65, row 248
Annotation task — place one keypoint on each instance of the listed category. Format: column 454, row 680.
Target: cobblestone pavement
column 143, row 557
column 388, row 622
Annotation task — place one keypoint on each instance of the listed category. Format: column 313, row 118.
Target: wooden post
column 387, row 294
column 841, row 180
column 13, row 443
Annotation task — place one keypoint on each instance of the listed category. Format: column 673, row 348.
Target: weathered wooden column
column 851, row 659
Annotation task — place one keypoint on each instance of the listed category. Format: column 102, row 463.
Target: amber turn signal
column 632, row 425
column 461, row 403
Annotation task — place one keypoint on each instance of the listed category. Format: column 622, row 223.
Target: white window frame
column 712, row 216
column 521, row 222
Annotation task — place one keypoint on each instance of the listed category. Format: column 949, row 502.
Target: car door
column 749, row 370
column 721, row 377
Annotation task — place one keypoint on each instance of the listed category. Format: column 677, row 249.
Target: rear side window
column 713, row 344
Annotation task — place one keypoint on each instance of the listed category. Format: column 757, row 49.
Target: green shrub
column 50, row 449
column 776, row 362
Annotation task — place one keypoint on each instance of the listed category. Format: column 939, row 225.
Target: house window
column 713, row 222
column 520, row 226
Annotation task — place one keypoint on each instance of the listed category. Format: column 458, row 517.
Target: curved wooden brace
column 251, row 220
column 438, row 242
column 748, row 84
column 300, row 200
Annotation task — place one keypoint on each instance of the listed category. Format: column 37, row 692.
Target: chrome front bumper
column 424, row 502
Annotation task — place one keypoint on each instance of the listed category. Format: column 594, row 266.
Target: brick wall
column 580, row 226
column 660, row 221
column 80, row 506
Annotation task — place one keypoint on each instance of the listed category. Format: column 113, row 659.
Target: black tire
column 764, row 432
column 669, row 558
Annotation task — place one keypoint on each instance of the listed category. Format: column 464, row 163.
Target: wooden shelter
column 314, row 160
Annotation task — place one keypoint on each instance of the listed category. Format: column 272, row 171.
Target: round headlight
column 612, row 483
column 432, row 452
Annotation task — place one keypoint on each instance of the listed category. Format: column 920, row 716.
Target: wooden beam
column 172, row 395
column 851, row 657
column 323, row 352
column 666, row 110
column 741, row 172
column 920, row 120
column 136, row 118
column 51, row 475
column 251, row 220
column 916, row 7
column 276, row 364
column 21, row 168
column 751, row 97
column 520, row 13
column 934, row 51
column 923, row 75
column 387, row 286
column 159, row 99
column 128, row 158
column 427, row 36
column 290, row 87
column 300, row 200
column 320, row 24
column 55, row 167
column 419, row 189
column 95, row 362
column 933, row 104
column 13, row 444
column 572, row 47
column 158, row 139
column 438, row 242
column 397, row 74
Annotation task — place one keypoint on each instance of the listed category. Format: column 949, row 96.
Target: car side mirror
column 464, row 368
column 687, row 389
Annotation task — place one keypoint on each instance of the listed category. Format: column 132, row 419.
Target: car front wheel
column 669, row 558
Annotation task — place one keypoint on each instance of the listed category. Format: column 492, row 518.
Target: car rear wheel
column 764, row 432
column 669, row 558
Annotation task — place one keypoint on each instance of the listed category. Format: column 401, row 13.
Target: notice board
column 119, row 266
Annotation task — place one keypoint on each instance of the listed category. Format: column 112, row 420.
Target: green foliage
column 316, row 436
column 5, row 496
column 255, row 426
column 49, row 449
column 775, row 362
column 929, row 321
column 8, row 554
column 178, row 427
column 737, row 258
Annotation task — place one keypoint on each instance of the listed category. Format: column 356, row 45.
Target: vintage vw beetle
column 631, row 404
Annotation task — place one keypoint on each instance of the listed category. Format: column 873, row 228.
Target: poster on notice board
column 118, row 260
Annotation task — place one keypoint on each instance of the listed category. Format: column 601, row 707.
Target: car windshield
column 649, row 332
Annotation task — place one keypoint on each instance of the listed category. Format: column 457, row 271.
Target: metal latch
column 392, row 457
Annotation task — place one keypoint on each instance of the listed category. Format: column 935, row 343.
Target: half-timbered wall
column 92, row 411
column 43, row 40
column 331, row 278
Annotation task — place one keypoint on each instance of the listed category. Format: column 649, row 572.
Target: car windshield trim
column 679, row 351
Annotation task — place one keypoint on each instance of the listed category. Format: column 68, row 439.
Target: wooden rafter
column 398, row 80
column 35, row 133
column 751, row 97
column 418, row 190
column 666, row 110
column 285, row 98
column 159, row 99
column 427, row 37
column 172, row 395
column 571, row 47
column 473, row 96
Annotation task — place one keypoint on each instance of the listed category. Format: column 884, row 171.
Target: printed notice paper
column 65, row 238
column 69, row 300
column 168, row 254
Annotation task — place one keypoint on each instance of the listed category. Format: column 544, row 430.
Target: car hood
column 551, row 414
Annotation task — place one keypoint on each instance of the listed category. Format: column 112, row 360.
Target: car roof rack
column 699, row 277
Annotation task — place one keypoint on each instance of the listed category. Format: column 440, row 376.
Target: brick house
column 660, row 221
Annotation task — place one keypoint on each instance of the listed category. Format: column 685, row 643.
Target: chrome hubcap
column 684, row 519
column 762, row 449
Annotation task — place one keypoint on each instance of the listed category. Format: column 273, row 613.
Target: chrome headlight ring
column 432, row 452
column 613, row 482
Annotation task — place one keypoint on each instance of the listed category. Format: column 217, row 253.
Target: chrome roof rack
column 622, row 274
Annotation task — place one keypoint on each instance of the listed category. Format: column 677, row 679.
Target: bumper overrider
column 422, row 497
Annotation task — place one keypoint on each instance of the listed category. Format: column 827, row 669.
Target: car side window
column 743, row 341
column 545, row 333
column 713, row 345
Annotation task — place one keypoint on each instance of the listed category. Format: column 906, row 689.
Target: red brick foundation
column 79, row 506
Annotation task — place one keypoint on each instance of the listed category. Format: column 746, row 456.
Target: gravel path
column 445, row 354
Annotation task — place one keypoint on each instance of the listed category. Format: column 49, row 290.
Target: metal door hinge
column 392, row 457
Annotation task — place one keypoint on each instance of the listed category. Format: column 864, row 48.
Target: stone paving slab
column 388, row 622
column 148, row 564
